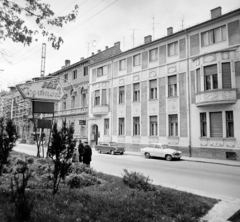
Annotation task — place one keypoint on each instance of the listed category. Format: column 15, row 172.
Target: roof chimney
column 147, row 39
column 98, row 50
column 92, row 53
column 106, row 47
column 67, row 62
column 82, row 58
column 170, row 31
column 117, row 44
column 216, row 12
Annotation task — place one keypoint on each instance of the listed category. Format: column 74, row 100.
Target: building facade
column 182, row 89
column 74, row 79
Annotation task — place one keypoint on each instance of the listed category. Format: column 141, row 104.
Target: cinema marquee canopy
column 45, row 90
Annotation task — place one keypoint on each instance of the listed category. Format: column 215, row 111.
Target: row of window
column 211, row 77
column 153, row 91
column 74, row 73
column 83, row 101
column 216, row 124
column 207, row 38
column 153, row 126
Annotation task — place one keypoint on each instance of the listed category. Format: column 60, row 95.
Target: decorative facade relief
column 152, row 73
column 153, row 107
column 153, row 140
column 136, row 109
column 173, row 106
column 121, row 81
column 97, row 86
column 230, row 143
column 203, row 142
column 172, row 68
column 216, row 143
column 210, row 96
column 136, row 78
column 121, row 110
column 209, row 58
column 173, row 141
column 225, row 56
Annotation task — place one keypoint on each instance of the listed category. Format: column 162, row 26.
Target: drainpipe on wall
column 111, row 102
column 189, row 106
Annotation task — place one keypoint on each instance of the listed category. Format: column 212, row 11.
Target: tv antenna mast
column 43, row 59
column 133, row 35
column 153, row 27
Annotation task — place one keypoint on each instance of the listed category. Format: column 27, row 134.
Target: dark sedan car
column 110, row 147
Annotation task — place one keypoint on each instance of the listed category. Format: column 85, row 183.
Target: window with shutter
column 104, row 97
column 216, row 124
column 229, row 124
column 153, row 126
column 226, row 76
column 153, row 89
column 172, row 85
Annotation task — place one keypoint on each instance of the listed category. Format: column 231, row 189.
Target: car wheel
column 147, row 155
column 112, row 152
column 121, row 153
column 168, row 157
column 99, row 151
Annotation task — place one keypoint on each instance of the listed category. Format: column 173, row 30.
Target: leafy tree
column 8, row 137
column 12, row 24
column 61, row 152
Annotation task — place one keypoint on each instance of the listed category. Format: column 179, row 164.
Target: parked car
column 110, row 147
column 160, row 150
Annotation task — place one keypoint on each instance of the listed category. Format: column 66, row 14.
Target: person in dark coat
column 87, row 156
column 80, row 151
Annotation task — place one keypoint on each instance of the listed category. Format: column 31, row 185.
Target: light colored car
column 110, row 147
column 160, row 150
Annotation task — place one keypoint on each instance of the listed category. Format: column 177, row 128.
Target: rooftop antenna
column 87, row 48
column 153, row 27
column 183, row 22
column 133, row 34
column 43, row 59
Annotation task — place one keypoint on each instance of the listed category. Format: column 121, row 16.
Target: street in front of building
column 207, row 179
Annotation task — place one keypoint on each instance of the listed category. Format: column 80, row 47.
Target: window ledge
column 173, row 137
column 153, row 61
column 172, row 97
column 136, row 101
column 153, row 99
column 121, row 136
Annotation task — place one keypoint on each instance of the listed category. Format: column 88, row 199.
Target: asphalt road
column 204, row 178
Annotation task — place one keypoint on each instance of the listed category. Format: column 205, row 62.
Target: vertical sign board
column 43, row 107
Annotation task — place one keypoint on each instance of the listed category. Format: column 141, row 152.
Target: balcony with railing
column 217, row 96
column 100, row 110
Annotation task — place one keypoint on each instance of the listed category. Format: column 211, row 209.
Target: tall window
column 84, row 100
column 65, row 77
column 172, row 86
column 85, row 71
column 75, row 74
column 136, row 92
column 198, row 80
column 216, row 124
column 106, row 126
column 226, row 76
column 97, row 98
column 122, row 64
column 64, row 105
column 173, row 49
column 121, row 126
column 102, row 71
column 73, row 102
column 153, row 126
column 203, row 124
column 229, row 124
column 210, row 77
column 173, row 125
column 213, row 36
column 153, row 89
column 153, row 55
column 121, row 94
column 136, row 60
column 104, row 97
column 136, row 126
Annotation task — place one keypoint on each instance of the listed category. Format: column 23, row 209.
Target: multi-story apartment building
column 75, row 82
column 182, row 89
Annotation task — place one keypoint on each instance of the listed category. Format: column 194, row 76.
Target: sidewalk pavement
column 201, row 160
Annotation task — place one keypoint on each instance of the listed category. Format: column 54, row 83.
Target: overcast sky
column 106, row 22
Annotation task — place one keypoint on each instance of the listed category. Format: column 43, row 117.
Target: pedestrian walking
column 87, row 156
column 80, row 151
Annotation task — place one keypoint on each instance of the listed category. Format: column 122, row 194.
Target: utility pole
column 133, row 35
column 43, row 59
column 153, row 27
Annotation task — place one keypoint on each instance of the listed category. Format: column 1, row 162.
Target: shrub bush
column 78, row 168
column 138, row 181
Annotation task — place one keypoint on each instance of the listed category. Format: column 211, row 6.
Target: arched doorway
column 94, row 136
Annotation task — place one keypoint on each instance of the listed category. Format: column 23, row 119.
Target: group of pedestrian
column 85, row 153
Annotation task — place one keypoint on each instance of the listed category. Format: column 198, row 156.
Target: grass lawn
column 110, row 200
